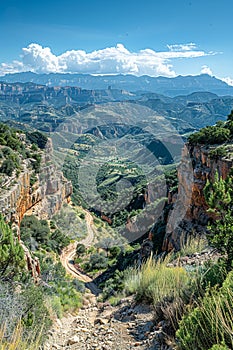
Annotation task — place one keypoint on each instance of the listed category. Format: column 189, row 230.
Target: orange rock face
column 190, row 207
column 203, row 168
column 44, row 198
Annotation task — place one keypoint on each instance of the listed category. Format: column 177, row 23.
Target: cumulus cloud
column 228, row 80
column 111, row 60
column 206, row 70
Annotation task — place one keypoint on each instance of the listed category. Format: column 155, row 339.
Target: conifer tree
column 11, row 253
column 219, row 196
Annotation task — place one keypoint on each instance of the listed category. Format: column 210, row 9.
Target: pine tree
column 11, row 253
column 219, row 196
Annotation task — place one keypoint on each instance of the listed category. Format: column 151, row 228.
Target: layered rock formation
column 190, row 209
column 44, row 198
column 203, row 167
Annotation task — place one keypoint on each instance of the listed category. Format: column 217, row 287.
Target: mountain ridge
column 45, row 107
column 180, row 85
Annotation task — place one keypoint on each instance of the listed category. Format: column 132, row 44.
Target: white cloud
column 206, row 70
column 111, row 60
column 182, row 47
column 227, row 80
column 37, row 57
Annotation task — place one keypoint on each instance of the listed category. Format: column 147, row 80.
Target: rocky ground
column 99, row 326
column 197, row 259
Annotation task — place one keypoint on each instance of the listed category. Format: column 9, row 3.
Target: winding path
column 69, row 252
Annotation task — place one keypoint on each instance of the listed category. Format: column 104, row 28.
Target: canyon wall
column 190, row 208
column 44, row 198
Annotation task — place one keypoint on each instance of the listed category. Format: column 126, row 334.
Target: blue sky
column 144, row 29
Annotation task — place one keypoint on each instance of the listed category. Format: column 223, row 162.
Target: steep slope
column 42, row 190
column 200, row 162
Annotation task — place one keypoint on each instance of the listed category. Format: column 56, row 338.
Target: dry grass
column 154, row 281
column 192, row 244
column 16, row 341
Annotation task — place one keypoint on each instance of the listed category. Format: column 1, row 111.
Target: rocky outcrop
column 192, row 184
column 190, row 209
column 44, row 198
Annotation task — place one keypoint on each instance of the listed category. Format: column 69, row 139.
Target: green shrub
column 34, row 147
column 82, row 216
column 211, row 322
column 55, row 304
column 78, row 285
column 114, row 251
column 36, row 162
column 219, row 196
column 36, row 229
column 33, row 179
column 210, row 135
column 58, row 240
column 12, row 261
column 154, row 281
column 80, row 249
column 98, row 261
column 218, row 152
column 219, row 347
column 114, row 285
column 37, row 138
column 53, row 225
column 7, row 167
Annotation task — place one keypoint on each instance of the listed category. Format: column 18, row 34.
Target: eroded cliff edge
column 190, row 210
column 44, row 198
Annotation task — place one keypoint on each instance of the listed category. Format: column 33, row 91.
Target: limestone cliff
column 44, row 198
column 190, row 209
column 203, row 167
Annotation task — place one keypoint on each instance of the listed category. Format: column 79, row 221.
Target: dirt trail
column 69, row 252
column 98, row 326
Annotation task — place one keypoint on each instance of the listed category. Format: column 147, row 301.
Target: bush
column 210, row 135
column 58, row 241
column 219, row 347
column 80, row 249
column 114, row 251
column 33, row 179
column 82, row 216
column 12, row 261
column 7, row 167
column 211, row 323
column 78, row 285
column 36, row 162
column 26, row 309
column 219, row 196
column 218, row 152
column 154, row 281
column 34, row 232
column 37, row 138
column 113, row 285
column 98, row 261
column 56, row 306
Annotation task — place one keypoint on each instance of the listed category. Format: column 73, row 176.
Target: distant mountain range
column 180, row 85
column 45, row 107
